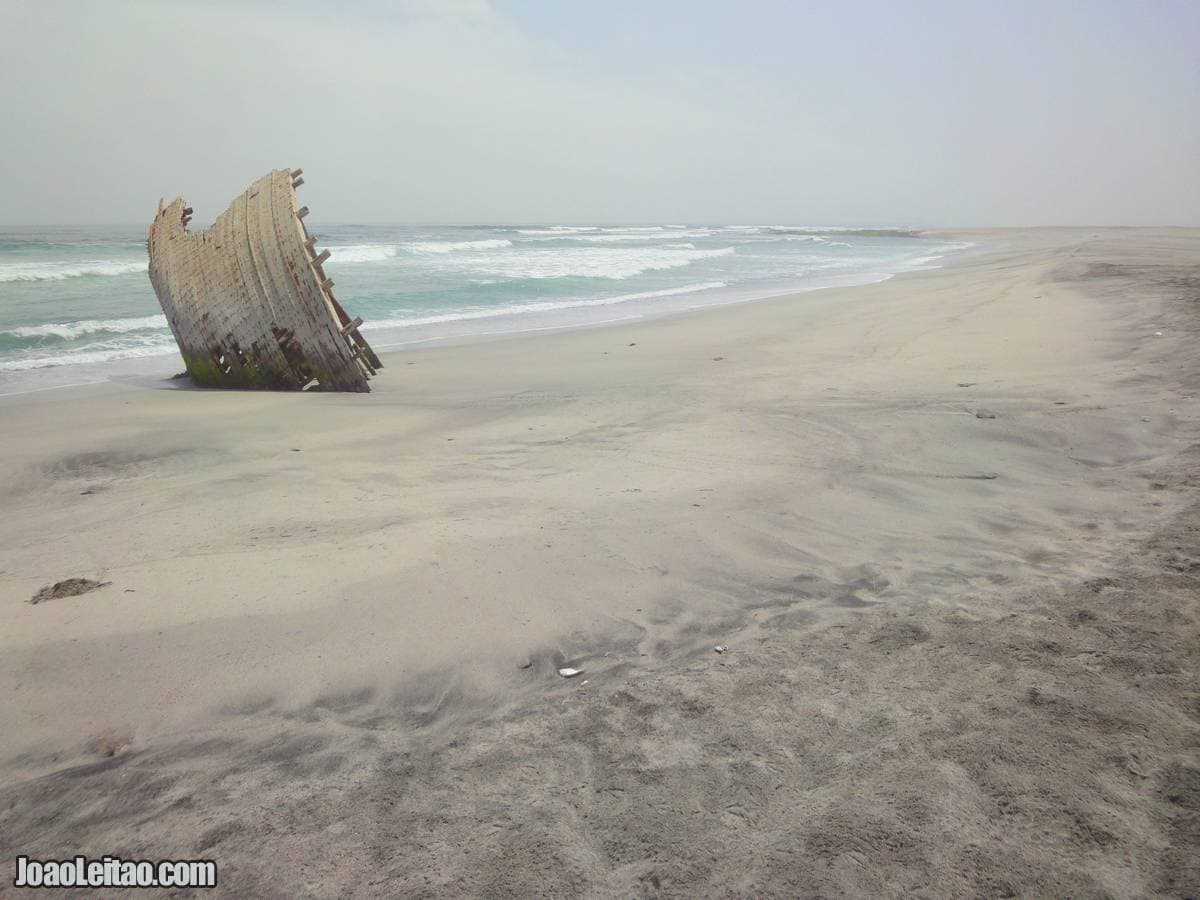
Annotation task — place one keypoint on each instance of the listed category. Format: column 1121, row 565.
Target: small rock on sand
column 985, row 414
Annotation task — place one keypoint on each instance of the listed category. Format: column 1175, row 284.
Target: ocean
column 76, row 305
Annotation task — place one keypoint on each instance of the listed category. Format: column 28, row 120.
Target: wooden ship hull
column 248, row 300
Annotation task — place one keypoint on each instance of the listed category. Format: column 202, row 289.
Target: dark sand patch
column 70, row 587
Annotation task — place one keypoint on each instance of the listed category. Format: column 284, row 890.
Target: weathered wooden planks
column 248, row 300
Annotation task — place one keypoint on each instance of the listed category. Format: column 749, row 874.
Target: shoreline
column 944, row 524
column 387, row 337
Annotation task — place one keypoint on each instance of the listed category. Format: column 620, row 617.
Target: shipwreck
column 248, row 300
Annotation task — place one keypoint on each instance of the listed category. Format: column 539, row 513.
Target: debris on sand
column 985, row 414
column 71, row 587
column 248, row 300
column 721, row 648
column 567, row 672
column 109, row 744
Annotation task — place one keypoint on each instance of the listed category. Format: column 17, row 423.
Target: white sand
column 378, row 567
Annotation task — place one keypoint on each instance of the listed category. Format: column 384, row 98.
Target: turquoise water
column 76, row 303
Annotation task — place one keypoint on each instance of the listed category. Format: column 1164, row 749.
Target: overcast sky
column 756, row 111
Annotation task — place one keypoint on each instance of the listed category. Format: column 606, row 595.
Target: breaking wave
column 99, row 353
column 615, row 236
column 360, row 253
column 452, row 246
column 585, row 262
column 69, row 331
column 57, row 271
column 558, row 230
column 492, row 312
column 841, row 232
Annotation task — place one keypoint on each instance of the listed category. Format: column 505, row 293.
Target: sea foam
column 57, row 271
column 514, row 309
column 583, row 262
column 453, row 246
column 82, row 357
column 361, row 253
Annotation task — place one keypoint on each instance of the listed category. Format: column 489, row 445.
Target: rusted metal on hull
column 248, row 299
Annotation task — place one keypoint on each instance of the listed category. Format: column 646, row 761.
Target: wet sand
column 946, row 526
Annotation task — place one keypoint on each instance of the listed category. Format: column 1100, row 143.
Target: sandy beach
column 945, row 526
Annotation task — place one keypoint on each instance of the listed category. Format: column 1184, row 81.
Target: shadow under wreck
column 248, row 300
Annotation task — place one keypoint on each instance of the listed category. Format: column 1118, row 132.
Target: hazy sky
column 938, row 113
